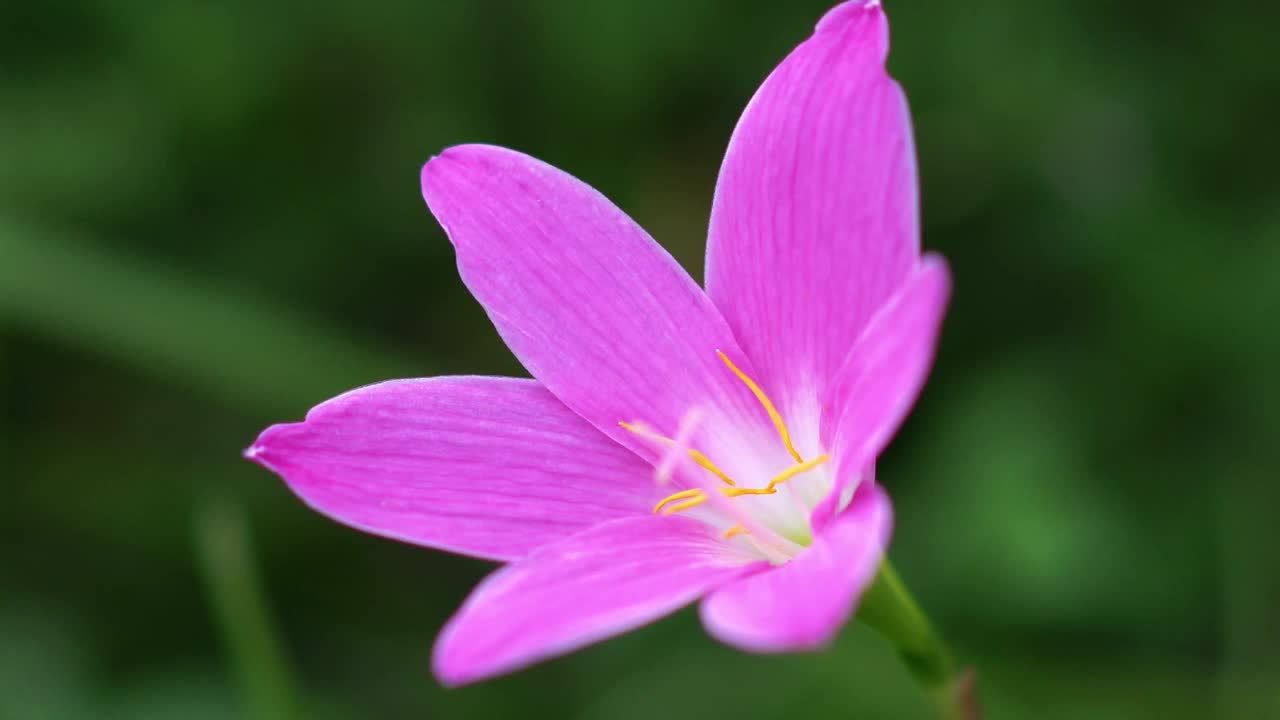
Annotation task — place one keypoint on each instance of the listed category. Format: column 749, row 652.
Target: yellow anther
column 683, row 494
column 698, row 458
column 794, row 470
column 733, row 531
column 767, row 403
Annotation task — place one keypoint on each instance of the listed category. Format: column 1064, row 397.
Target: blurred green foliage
column 210, row 220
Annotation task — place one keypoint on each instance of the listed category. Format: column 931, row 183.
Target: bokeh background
column 210, row 220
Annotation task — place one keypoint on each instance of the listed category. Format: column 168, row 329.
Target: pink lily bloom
column 762, row 402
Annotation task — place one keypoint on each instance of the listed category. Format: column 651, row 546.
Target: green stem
column 889, row 608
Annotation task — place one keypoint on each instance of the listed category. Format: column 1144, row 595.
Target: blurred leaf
column 45, row 672
column 226, row 555
column 216, row 341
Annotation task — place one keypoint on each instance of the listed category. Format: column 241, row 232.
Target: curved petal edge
column 595, row 309
column 882, row 376
column 602, row 582
column 815, row 222
column 482, row 466
column 803, row 604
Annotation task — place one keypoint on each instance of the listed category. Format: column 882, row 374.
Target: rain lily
column 675, row 444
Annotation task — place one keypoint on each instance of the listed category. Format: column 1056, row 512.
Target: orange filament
column 693, row 497
column 767, row 403
column 794, row 470
column 682, row 495
column 698, row 458
column 738, row 492
column 704, row 462
column 692, row 502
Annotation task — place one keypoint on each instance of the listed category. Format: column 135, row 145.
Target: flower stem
column 888, row 607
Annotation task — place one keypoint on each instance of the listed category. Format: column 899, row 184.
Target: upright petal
column 599, row 583
column 593, row 307
column 803, row 604
column 490, row 467
column 873, row 392
column 815, row 219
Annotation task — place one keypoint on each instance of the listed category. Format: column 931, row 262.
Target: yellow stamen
column 704, row 462
column 698, row 458
column 767, row 403
column 794, row 470
column 683, row 494
column 733, row 531
column 694, row 497
column 695, row 502
column 738, row 492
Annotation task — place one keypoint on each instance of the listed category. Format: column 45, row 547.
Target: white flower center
column 773, row 515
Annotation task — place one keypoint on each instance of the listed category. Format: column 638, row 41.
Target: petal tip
column 936, row 270
column 257, row 454
column 858, row 23
column 463, row 155
column 445, row 673
column 450, row 176
column 846, row 12
column 261, row 452
column 425, row 173
column 452, row 156
column 935, row 262
column 430, row 173
column 454, row 660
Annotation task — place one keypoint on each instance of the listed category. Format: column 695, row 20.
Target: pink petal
column 882, row 376
column 490, row 467
column 815, row 219
column 602, row 582
column 803, row 604
column 593, row 307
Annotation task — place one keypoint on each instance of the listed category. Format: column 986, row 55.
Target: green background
column 210, row 220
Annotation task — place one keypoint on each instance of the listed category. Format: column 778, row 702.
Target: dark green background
column 210, row 220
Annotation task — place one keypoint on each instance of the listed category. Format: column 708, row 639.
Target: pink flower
column 764, row 399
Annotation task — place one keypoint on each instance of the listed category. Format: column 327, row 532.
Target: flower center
column 691, row 498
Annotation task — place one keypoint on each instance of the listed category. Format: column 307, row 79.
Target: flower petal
column 815, row 219
column 601, row 582
column 594, row 308
column 803, row 604
column 490, row 467
column 882, row 376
